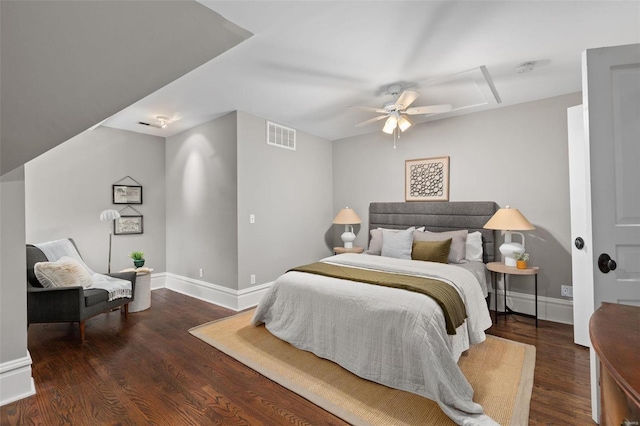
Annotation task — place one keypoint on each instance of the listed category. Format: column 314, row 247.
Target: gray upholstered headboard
column 438, row 217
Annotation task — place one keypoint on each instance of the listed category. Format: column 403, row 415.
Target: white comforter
column 394, row 337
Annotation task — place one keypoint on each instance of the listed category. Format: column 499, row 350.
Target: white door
column 582, row 247
column 611, row 96
column 611, row 91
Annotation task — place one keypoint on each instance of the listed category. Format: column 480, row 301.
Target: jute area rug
column 499, row 370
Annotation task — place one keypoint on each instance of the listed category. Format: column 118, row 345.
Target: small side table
column 341, row 250
column 142, row 296
column 501, row 268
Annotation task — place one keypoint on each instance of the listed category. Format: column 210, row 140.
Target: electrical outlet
column 253, row 279
column 566, row 291
column 201, row 273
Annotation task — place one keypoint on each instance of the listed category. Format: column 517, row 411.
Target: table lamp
column 509, row 220
column 347, row 217
column 109, row 215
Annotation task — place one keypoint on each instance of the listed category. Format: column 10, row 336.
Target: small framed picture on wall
column 127, row 194
column 427, row 179
column 125, row 225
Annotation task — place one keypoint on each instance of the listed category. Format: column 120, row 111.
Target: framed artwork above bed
column 427, row 179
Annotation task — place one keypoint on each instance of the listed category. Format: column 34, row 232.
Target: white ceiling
column 308, row 61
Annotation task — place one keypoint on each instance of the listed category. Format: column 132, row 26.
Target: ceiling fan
column 396, row 112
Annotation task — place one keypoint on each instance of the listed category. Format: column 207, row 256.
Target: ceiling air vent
column 281, row 136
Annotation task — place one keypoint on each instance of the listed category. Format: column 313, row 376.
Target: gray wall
column 13, row 294
column 202, row 202
column 68, row 186
column 96, row 58
column 290, row 194
column 218, row 174
column 514, row 156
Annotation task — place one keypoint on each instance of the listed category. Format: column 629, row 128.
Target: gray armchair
column 68, row 304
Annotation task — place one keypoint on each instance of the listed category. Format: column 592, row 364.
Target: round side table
column 501, row 268
column 142, row 296
column 341, row 250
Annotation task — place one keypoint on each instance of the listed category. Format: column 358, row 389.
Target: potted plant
column 521, row 260
column 138, row 258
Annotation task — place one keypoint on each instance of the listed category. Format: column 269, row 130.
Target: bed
column 402, row 339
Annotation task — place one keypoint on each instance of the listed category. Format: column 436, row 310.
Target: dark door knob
column 606, row 263
column 579, row 242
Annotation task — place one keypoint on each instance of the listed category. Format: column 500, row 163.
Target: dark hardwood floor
column 150, row 370
column 561, row 388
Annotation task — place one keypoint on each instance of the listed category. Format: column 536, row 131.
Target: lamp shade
column 390, row 124
column 346, row 216
column 109, row 214
column 509, row 219
column 404, row 123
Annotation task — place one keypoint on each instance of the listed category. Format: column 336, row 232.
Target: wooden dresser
column 615, row 334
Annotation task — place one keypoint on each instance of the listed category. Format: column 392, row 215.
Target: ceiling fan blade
column 406, row 98
column 431, row 109
column 382, row 111
column 373, row 120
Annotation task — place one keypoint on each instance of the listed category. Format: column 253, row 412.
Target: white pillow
column 474, row 247
column 375, row 244
column 64, row 272
column 397, row 243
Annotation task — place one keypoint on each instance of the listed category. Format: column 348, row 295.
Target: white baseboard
column 158, row 280
column 550, row 309
column 250, row 297
column 15, row 380
column 236, row 300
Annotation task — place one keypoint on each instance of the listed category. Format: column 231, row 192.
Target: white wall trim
column 251, row 296
column 15, row 380
column 236, row 300
column 549, row 309
column 158, row 280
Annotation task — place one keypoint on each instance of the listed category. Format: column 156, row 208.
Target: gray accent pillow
column 375, row 244
column 458, row 242
column 397, row 243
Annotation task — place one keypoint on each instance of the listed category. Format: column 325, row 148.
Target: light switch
column 252, row 218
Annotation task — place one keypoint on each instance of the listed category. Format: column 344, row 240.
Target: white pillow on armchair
column 64, row 272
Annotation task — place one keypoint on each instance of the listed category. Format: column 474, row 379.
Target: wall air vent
column 281, row 136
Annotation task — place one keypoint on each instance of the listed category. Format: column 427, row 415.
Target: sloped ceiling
column 67, row 65
column 310, row 60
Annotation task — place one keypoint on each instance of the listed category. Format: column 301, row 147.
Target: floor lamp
column 106, row 216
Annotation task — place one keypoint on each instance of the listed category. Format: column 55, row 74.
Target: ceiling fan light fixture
column 390, row 124
column 404, row 123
